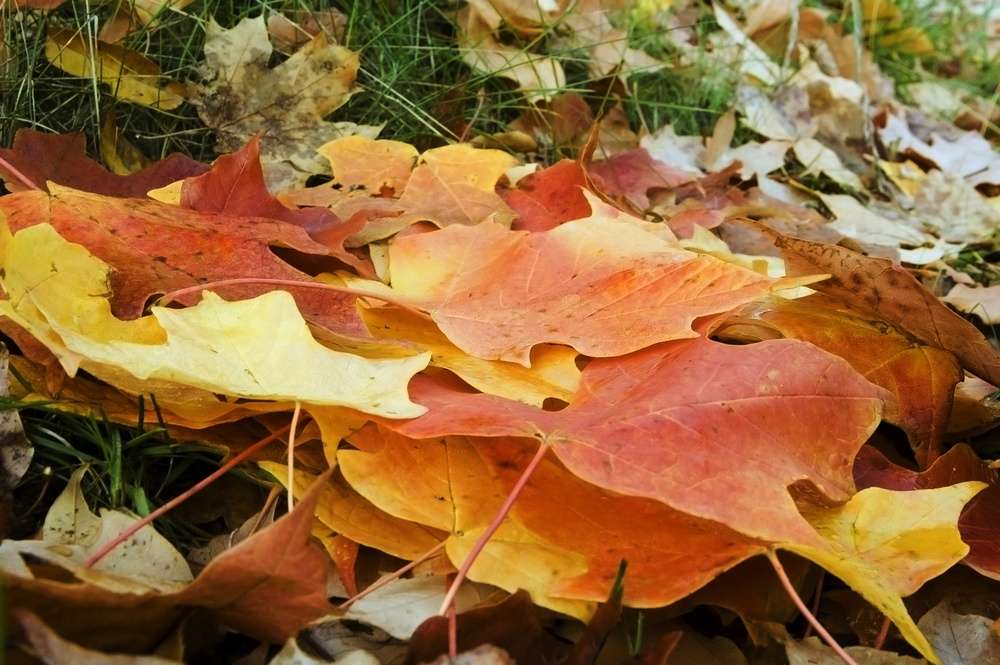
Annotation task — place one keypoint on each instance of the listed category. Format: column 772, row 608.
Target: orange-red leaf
column 922, row 378
column 155, row 248
column 715, row 431
column 605, row 285
column 547, row 198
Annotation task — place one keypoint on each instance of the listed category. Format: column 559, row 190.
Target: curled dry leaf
column 131, row 76
column 887, row 290
column 984, row 302
column 538, row 76
column 243, row 97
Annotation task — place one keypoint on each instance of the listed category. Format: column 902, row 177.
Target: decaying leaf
column 131, row 76
column 243, row 97
column 959, row 638
column 893, row 294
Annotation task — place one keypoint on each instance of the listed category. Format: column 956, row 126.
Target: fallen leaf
column 16, row 452
column 243, row 97
column 539, row 77
column 60, row 158
column 358, row 161
column 548, row 197
column 291, row 31
column 884, row 560
column 984, row 302
column 553, row 371
column 513, row 624
column 817, row 158
column 345, row 511
column 121, row 156
column 564, row 539
column 604, row 285
column 292, row 654
column 62, row 300
column 812, row 651
column 978, row 523
column 131, row 76
column 631, row 174
column 156, row 248
column 961, row 639
column 887, row 290
column 921, row 378
column 54, row 650
column 402, row 605
column 732, row 419
column 234, row 186
column 753, row 61
column 455, row 185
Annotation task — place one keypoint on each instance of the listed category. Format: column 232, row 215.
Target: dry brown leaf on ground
column 243, row 97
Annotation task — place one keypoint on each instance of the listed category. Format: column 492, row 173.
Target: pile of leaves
column 675, row 399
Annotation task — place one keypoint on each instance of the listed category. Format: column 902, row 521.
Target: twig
column 385, row 579
column 498, row 519
column 181, row 498
column 810, row 617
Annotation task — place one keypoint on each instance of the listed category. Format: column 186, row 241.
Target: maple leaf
column 455, row 185
column 885, row 559
column 156, row 248
column 342, row 509
column 547, row 198
column 209, row 346
column 978, row 523
column 717, row 431
column 553, row 371
column 885, row 289
column 630, row 175
column 243, row 97
column 235, row 186
column 921, row 378
column 354, row 163
column 605, row 285
column 61, row 158
column 564, row 538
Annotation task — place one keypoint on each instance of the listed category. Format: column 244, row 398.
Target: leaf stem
column 181, row 498
column 883, row 633
column 385, row 579
column 291, row 454
column 772, row 556
column 173, row 295
column 498, row 519
column 14, row 171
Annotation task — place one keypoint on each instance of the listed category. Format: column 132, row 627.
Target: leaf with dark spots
column 890, row 292
column 195, row 248
column 980, row 521
column 62, row 159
